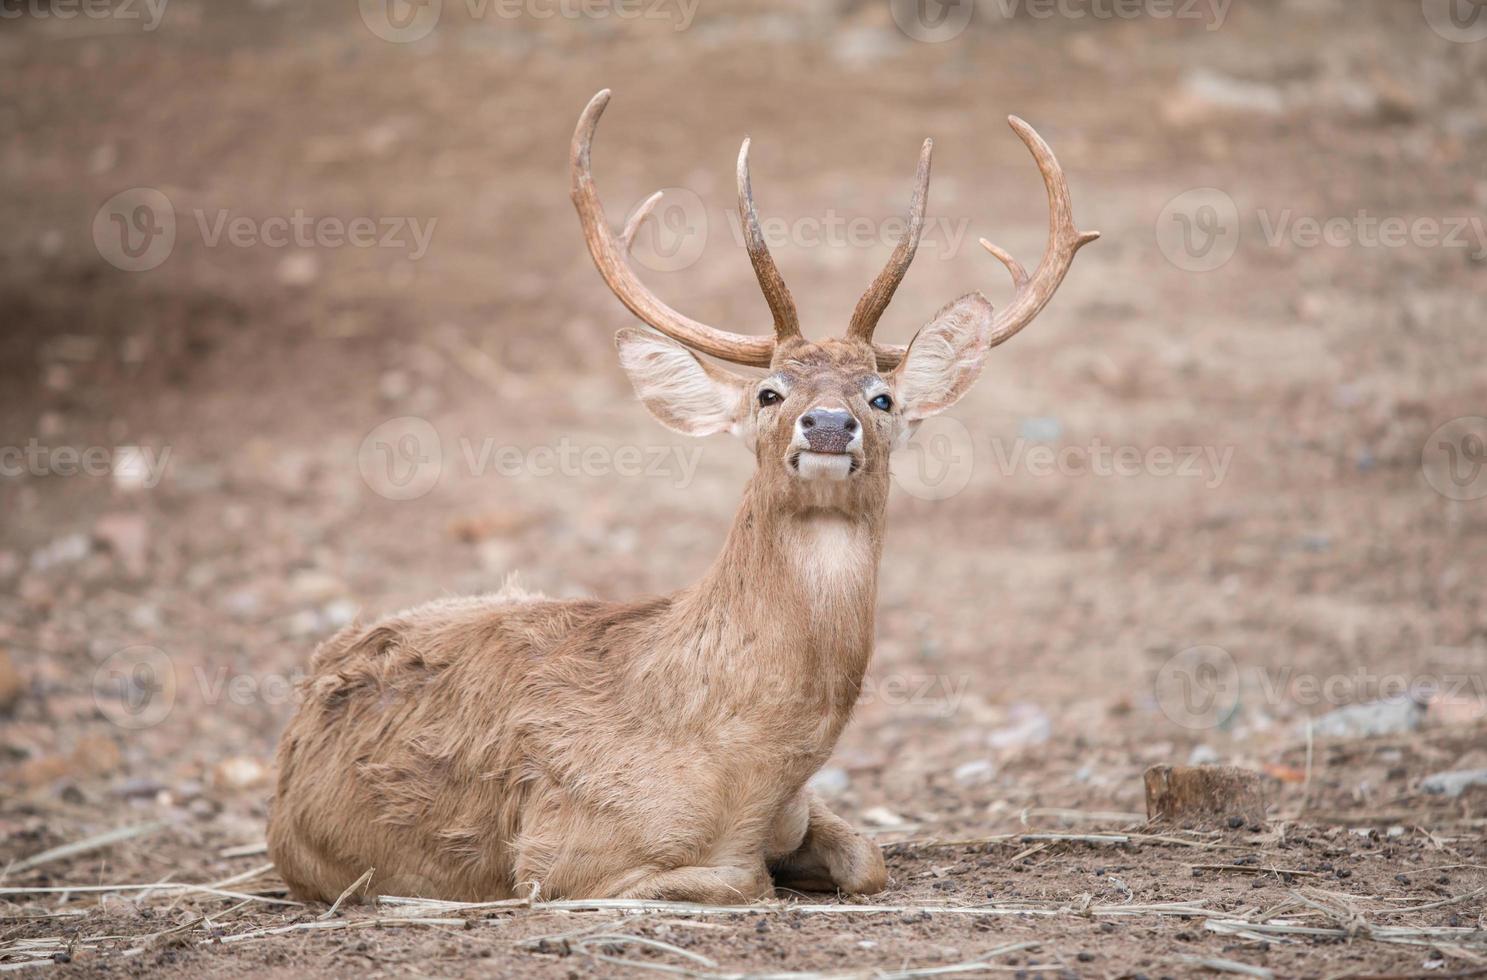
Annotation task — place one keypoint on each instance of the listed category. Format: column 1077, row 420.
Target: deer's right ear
column 682, row 392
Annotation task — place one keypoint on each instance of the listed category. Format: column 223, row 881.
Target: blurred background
column 299, row 327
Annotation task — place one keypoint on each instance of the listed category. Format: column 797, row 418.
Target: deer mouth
column 811, row 465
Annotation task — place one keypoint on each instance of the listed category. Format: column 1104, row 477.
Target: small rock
column 12, row 684
column 203, row 809
column 138, row 787
column 1453, row 783
column 883, row 817
column 306, row 622
column 831, row 781
column 1203, row 91
column 314, row 585
column 128, row 537
column 299, row 269
column 103, row 158
column 1371, row 719
column 134, row 469
column 1030, row 725
column 1040, row 428
column 338, row 613
column 394, row 385
column 863, row 47
column 242, row 603
column 1202, row 755
column 66, row 550
column 239, row 772
column 975, row 771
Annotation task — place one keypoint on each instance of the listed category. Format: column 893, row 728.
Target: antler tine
column 1064, row 239
column 609, row 253
column 776, row 293
column 873, row 302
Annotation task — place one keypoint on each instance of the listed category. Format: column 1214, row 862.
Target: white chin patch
column 824, row 466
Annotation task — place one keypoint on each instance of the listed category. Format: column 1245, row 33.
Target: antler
column 873, row 302
column 1064, row 239
column 1032, row 292
column 776, row 293
column 610, row 255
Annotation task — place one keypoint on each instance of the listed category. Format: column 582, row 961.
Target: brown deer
column 657, row 748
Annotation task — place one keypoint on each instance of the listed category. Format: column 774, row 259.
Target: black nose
column 828, row 430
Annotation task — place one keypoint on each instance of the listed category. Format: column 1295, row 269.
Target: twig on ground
column 351, row 889
column 83, row 846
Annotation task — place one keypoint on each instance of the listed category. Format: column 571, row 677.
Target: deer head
column 824, row 419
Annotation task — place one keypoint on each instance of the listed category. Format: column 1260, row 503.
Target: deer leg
column 833, row 857
column 722, row 885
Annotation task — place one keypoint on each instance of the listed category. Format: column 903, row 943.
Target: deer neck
column 788, row 605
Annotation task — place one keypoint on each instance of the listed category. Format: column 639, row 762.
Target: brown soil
column 1024, row 622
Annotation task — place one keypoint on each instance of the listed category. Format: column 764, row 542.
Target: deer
column 509, row 745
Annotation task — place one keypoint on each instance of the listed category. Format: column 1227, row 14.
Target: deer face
column 825, row 417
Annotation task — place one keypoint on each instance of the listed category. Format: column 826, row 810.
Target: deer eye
column 768, row 397
column 882, row 403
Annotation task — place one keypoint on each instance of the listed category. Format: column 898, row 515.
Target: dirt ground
column 1220, row 490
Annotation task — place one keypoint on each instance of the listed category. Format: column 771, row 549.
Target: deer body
column 660, row 748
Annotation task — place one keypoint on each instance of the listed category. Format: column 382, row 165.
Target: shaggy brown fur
column 659, row 748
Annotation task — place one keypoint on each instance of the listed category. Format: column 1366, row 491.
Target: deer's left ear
column 684, row 394
column 944, row 358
